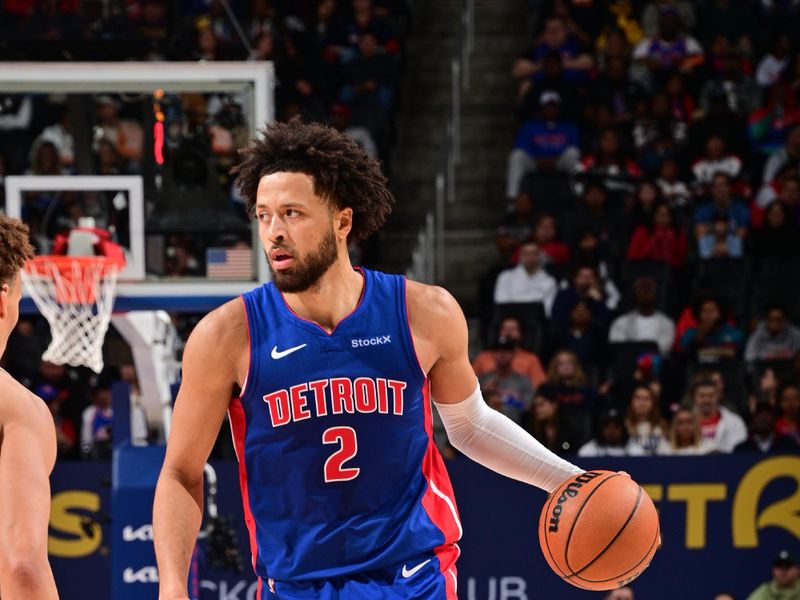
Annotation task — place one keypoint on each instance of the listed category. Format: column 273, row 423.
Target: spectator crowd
column 646, row 292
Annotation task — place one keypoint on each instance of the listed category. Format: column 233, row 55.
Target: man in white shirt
column 718, row 424
column 644, row 323
column 527, row 282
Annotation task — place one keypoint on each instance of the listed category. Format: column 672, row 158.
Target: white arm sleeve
column 495, row 441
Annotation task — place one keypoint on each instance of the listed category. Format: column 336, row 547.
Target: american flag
column 229, row 263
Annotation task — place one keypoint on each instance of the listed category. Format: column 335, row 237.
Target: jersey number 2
column 348, row 448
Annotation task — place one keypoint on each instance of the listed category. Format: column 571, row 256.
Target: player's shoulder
column 224, row 322
column 221, row 339
column 432, row 310
column 430, row 300
column 18, row 403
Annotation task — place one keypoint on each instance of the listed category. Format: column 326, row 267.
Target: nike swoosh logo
column 409, row 572
column 276, row 354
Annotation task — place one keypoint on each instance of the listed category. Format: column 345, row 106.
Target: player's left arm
column 480, row 432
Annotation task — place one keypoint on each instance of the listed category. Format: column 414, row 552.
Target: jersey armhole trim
column 412, row 348
column 247, row 377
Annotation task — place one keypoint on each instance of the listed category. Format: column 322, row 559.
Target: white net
column 76, row 296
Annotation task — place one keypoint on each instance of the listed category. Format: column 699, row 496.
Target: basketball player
column 331, row 369
column 27, row 448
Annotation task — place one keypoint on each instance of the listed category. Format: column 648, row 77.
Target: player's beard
column 306, row 273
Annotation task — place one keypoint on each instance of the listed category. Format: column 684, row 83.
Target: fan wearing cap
column 785, row 583
column 545, row 143
column 27, row 447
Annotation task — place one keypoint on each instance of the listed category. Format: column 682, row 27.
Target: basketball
column 599, row 530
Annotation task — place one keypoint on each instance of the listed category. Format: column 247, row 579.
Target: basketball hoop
column 76, row 296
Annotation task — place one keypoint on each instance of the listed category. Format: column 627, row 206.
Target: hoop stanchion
column 76, row 296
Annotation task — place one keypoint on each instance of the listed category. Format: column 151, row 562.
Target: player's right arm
column 215, row 358
column 27, row 456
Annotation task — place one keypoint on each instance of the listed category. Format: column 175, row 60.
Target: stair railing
column 428, row 258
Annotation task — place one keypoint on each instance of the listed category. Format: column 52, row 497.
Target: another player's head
column 15, row 249
column 312, row 190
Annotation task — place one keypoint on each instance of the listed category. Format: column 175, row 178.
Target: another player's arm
column 485, row 435
column 214, row 358
column 27, row 456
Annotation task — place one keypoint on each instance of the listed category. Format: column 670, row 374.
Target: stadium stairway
column 488, row 126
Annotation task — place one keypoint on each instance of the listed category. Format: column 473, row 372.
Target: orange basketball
column 599, row 530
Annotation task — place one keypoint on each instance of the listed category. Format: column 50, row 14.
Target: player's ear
column 5, row 290
column 343, row 222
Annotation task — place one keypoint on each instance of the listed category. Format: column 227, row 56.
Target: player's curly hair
column 15, row 247
column 342, row 172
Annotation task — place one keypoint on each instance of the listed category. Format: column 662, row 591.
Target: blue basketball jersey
column 333, row 433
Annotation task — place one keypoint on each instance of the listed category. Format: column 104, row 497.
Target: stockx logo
column 379, row 340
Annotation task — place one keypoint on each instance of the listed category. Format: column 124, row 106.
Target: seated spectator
column 522, row 361
column 546, row 143
column 594, row 213
column 527, row 282
column 614, row 89
column 545, row 234
column 740, row 90
column 722, row 200
column 60, row 135
column 785, row 583
column 717, row 423
column 773, row 190
column 721, row 240
column 369, row 78
column 772, row 65
column 96, row 423
column 660, row 240
column 340, row 120
column 774, row 338
column 651, row 15
column 681, row 102
column 363, row 21
column 550, row 77
column 516, row 228
column 554, row 39
column 644, row 323
column 585, row 286
column 568, row 385
column 646, row 428
column 506, row 390
column 66, row 436
column 762, row 438
column 658, row 132
column 556, row 432
column 589, row 251
column 610, row 165
column 711, row 338
column 788, row 153
column 647, row 198
column 612, row 438
column 788, row 424
column 778, row 241
column 44, row 159
column 716, row 160
column 673, row 190
column 685, row 436
column 126, row 135
column 667, row 49
column 582, row 336
column 768, row 123
column 721, row 120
